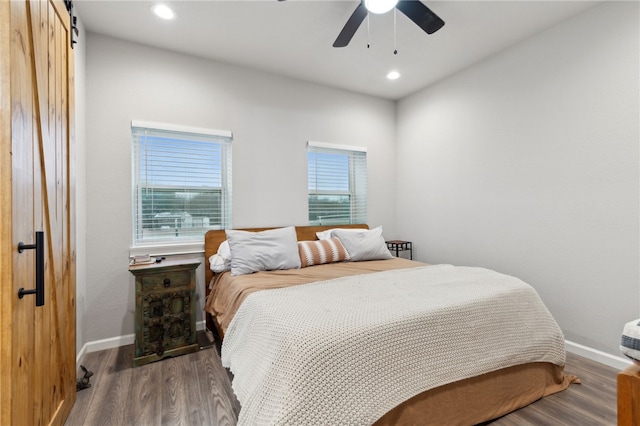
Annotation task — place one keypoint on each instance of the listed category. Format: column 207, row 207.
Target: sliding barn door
column 39, row 344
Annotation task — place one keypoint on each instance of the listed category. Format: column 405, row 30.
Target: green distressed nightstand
column 165, row 309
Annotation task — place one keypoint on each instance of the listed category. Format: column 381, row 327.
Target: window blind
column 181, row 183
column 337, row 184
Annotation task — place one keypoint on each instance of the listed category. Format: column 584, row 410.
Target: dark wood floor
column 196, row 390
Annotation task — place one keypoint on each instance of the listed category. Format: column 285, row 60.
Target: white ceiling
column 294, row 38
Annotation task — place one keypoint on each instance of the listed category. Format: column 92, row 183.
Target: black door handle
column 39, row 248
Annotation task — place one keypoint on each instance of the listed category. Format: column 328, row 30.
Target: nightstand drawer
column 172, row 280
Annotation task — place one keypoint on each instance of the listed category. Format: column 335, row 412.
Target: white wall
column 528, row 163
column 271, row 118
column 80, row 53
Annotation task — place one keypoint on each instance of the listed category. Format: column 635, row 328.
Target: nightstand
column 165, row 309
column 399, row 245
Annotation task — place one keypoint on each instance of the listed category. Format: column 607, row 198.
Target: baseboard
column 201, row 325
column 616, row 362
column 80, row 357
column 112, row 342
column 115, row 342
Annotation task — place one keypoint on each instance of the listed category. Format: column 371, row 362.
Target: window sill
column 167, row 249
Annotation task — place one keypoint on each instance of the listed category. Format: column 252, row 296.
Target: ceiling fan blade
column 351, row 26
column 421, row 15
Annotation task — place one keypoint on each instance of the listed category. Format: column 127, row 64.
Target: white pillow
column 216, row 264
column 325, row 235
column 263, row 251
column 221, row 261
column 364, row 244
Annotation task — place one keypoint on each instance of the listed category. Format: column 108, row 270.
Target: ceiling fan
column 413, row 9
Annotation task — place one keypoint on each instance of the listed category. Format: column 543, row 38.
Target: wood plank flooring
column 195, row 389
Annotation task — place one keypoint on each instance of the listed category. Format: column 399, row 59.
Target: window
column 181, row 183
column 337, row 181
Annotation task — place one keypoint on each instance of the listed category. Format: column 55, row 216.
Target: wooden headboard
column 213, row 239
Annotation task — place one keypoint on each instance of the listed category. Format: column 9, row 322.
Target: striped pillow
column 321, row 251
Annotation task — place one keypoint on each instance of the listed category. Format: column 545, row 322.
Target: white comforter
column 346, row 351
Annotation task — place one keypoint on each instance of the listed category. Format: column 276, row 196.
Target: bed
column 376, row 382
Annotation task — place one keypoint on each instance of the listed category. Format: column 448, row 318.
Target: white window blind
column 181, row 183
column 337, row 182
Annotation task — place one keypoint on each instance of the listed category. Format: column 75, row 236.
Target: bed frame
column 213, row 239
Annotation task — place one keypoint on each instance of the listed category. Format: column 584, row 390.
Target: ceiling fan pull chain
column 368, row 32
column 395, row 34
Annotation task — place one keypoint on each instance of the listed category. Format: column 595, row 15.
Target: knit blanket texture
column 346, row 351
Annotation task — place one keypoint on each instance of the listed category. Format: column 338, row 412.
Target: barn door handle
column 39, row 248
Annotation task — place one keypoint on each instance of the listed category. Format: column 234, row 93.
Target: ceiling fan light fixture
column 163, row 11
column 393, row 75
column 380, row 6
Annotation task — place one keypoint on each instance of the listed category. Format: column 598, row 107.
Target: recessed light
column 163, row 11
column 393, row 75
